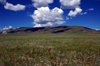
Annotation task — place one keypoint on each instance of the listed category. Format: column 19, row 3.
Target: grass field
column 50, row 50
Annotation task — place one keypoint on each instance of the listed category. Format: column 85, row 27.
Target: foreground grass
column 50, row 50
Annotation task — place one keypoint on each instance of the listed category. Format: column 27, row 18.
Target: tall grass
column 50, row 50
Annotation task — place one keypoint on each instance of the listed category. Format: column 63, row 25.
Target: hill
column 59, row 29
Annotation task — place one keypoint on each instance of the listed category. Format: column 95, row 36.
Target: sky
column 49, row 13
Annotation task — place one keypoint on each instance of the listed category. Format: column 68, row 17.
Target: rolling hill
column 59, row 29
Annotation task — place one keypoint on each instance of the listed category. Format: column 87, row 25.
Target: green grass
column 50, row 50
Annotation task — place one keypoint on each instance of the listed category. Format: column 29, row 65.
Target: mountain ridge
column 58, row 29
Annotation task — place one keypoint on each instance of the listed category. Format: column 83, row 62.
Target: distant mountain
column 0, row 32
column 58, row 29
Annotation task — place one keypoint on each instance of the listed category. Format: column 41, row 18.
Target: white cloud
column 2, row 1
column 10, row 27
column 41, row 3
column 74, row 13
column 70, row 17
column 83, row 13
column 45, row 17
column 91, row 9
column 67, row 18
column 70, row 4
column 17, row 7
column 96, row 29
column 7, row 28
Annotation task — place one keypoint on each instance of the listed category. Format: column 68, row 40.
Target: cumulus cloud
column 45, row 17
column 91, row 9
column 70, row 4
column 17, row 7
column 2, row 1
column 74, row 13
column 41, row 3
column 10, row 27
column 7, row 28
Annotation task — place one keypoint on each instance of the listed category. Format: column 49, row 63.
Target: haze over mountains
column 59, row 29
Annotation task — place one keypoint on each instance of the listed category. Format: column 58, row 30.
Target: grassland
column 50, row 50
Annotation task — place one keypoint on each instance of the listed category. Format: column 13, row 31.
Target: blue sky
column 44, row 13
